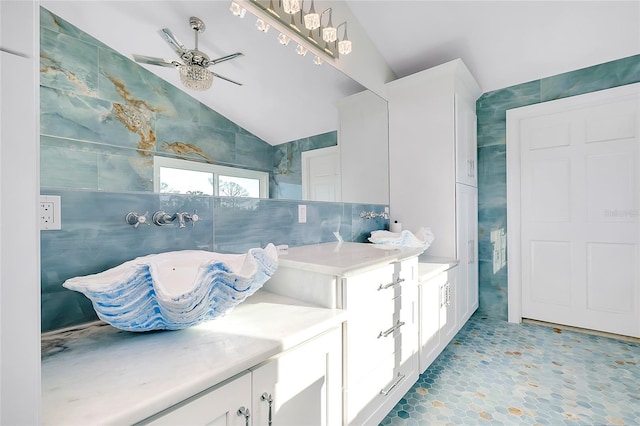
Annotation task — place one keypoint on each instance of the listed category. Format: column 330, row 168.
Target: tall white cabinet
column 432, row 167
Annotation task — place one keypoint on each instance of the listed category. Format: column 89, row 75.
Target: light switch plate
column 302, row 213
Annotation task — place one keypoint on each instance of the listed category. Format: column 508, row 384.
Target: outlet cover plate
column 49, row 212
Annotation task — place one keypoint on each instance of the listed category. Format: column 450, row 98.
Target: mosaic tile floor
column 496, row 373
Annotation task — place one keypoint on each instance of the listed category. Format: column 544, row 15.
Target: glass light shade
column 291, row 6
column 195, row 77
column 284, row 39
column 344, row 47
column 329, row 34
column 312, row 21
column 237, row 10
column 301, row 50
column 262, row 25
column 318, row 60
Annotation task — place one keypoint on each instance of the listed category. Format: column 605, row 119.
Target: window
column 171, row 175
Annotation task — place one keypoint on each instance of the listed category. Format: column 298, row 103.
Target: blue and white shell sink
column 175, row 290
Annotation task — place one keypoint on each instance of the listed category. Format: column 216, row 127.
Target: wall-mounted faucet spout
column 181, row 218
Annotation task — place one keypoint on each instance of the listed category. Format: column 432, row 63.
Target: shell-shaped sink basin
column 177, row 289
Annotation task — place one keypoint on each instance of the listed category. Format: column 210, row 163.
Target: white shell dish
column 175, row 290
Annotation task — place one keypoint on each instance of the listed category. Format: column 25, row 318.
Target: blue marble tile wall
column 103, row 118
column 95, row 237
column 491, row 109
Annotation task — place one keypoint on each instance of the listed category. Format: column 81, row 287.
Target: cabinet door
column 467, row 251
column 218, row 406
column 448, row 312
column 466, row 142
column 302, row 386
column 430, row 304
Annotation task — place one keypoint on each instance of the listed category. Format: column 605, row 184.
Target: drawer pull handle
column 267, row 397
column 391, row 330
column 242, row 411
column 386, row 392
column 391, row 284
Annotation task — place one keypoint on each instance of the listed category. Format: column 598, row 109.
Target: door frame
column 514, row 116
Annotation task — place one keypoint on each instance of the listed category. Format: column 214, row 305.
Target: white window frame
column 176, row 163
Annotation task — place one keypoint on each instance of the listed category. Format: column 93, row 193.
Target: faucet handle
column 135, row 219
column 194, row 217
column 161, row 218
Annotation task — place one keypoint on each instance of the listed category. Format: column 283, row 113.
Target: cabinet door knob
column 269, row 399
column 242, row 411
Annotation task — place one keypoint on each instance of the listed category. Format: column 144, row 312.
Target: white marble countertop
column 429, row 267
column 343, row 258
column 103, row 375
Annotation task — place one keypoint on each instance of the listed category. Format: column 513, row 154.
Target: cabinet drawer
column 384, row 385
column 363, row 290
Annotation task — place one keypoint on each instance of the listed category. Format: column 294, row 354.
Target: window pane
column 179, row 181
column 231, row 186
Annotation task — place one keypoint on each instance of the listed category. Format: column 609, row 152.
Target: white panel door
column 579, row 217
column 321, row 174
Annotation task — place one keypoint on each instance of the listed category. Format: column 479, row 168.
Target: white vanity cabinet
column 298, row 387
column 432, row 148
column 217, row 406
column 378, row 290
column 301, row 386
column 380, row 346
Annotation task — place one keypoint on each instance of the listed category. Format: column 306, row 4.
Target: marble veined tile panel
column 69, row 115
column 245, row 223
column 125, row 171
column 68, row 64
column 361, row 228
column 211, row 118
column 196, row 142
column 124, row 81
column 598, row 77
column 58, row 156
column 252, row 152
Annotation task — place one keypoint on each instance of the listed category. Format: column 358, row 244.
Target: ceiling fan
column 193, row 68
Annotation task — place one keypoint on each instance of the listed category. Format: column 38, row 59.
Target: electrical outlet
column 50, row 218
column 302, row 213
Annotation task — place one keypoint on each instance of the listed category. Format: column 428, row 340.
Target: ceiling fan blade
column 225, row 78
column 155, row 61
column 175, row 44
column 225, row 58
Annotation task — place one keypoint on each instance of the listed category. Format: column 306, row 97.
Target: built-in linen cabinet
column 301, row 386
column 432, row 148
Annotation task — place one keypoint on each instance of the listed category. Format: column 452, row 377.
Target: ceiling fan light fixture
column 195, row 77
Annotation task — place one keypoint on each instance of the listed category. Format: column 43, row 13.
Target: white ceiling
column 286, row 97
